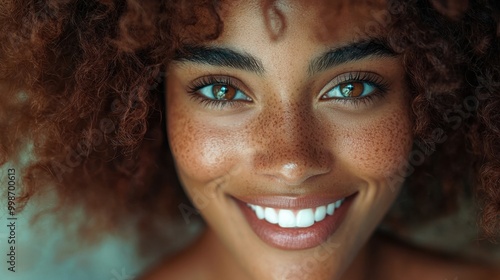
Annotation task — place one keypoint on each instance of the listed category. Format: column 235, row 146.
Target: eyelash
column 374, row 80
column 371, row 79
column 212, row 80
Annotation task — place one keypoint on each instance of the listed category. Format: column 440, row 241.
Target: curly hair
column 81, row 84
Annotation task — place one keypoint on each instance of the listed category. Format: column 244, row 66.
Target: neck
column 224, row 264
column 363, row 264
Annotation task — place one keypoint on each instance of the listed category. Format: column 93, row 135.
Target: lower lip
column 296, row 238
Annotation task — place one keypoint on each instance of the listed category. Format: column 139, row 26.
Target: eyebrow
column 221, row 57
column 352, row 52
column 225, row 57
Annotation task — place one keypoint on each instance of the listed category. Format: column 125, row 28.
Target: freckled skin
column 287, row 141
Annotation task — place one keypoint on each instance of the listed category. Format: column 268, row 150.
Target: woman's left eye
column 348, row 90
column 223, row 92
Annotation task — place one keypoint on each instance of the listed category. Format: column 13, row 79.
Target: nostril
column 295, row 174
column 292, row 164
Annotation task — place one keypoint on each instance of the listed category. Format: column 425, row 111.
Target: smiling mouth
column 301, row 218
column 294, row 223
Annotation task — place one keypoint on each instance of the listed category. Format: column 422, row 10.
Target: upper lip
column 291, row 202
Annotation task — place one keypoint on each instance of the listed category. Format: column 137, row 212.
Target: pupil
column 347, row 89
column 220, row 92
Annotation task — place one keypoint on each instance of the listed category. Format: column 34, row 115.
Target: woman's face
column 291, row 112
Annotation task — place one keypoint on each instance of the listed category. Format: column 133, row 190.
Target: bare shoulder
column 401, row 261
column 190, row 264
column 178, row 267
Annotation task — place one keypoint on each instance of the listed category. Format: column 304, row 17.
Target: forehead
column 324, row 20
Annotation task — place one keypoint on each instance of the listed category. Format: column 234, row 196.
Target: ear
column 452, row 9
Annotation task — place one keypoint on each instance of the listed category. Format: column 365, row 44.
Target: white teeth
column 330, row 208
column 320, row 213
column 305, row 218
column 286, row 218
column 259, row 211
column 302, row 218
column 337, row 203
column 270, row 215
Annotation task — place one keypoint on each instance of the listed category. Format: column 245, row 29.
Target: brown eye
column 223, row 92
column 352, row 89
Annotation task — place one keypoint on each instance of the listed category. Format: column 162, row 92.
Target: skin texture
column 116, row 52
column 287, row 140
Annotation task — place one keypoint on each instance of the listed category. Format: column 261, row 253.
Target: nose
column 291, row 144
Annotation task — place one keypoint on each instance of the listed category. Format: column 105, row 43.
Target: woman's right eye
column 222, row 92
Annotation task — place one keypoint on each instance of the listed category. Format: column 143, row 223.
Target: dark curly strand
column 452, row 65
column 81, row 82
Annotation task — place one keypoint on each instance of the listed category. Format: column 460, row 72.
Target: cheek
column 200, row 151
column 379, row 147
